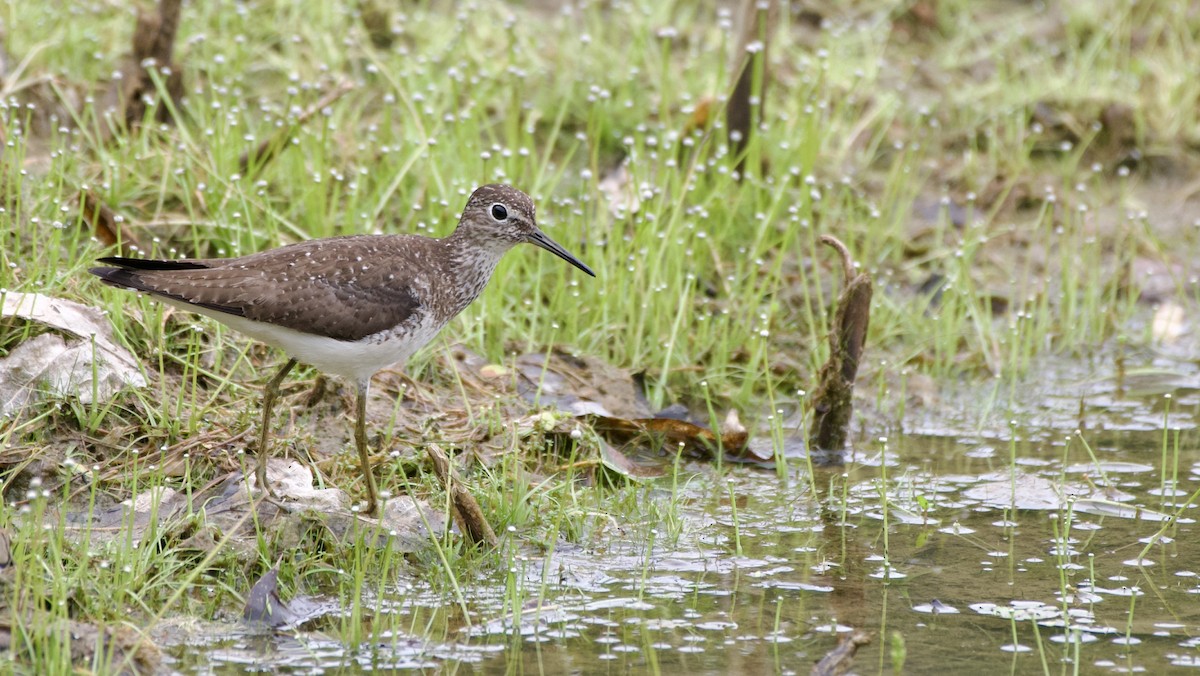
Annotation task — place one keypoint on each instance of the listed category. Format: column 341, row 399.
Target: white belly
column 354, row 360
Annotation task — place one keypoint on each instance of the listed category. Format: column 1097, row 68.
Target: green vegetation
column 1010, row 174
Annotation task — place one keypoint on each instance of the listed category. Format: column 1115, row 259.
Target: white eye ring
column 499, row 212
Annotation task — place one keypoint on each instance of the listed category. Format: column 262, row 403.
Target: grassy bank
column 1016, row 178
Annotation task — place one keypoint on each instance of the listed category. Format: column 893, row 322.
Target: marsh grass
column 715, row 286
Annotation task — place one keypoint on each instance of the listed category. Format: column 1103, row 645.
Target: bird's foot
column 373, row 505
column 272, row 499
column 263, row 487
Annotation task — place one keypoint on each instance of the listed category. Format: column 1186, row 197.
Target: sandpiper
column 348, row 306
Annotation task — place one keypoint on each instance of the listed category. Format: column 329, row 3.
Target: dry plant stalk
column 153, row 45
column 742, row 117
column 834, row 395
column 465, row 509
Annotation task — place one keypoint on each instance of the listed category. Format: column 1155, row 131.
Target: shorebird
column 348, row 306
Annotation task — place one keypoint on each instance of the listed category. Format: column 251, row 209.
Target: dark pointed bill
column 540, row 239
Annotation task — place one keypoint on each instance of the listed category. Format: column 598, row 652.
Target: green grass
column 715, row 288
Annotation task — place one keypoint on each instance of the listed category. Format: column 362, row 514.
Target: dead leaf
column 744, row 109
column 673, row 432
column 841, row 659
column 833, row 398
column 107, row 225
column 733, row 432
column 580, row 385
column 700, row 118
column 263, row 603
column 93, row 367
column 610, row 399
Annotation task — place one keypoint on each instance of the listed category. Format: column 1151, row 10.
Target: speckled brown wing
column 344, row 288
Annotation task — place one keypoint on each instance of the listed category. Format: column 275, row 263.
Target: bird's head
column 504, row 216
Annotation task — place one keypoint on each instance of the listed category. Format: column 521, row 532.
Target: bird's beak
column 539, row 238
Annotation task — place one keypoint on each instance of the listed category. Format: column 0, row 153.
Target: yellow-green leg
column 269, row 395
column 360, row 440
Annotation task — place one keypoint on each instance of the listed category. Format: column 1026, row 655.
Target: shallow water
column 986, row 538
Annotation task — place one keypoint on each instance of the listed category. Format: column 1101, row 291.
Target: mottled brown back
column 344, row 288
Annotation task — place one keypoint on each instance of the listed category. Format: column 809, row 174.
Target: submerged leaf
column 1116, row 509
column 622, row 464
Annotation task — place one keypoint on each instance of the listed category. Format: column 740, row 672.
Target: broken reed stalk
column 742, row 114
column 153, row 46
column 377, row 19
column 833, row 399
column 465, row 509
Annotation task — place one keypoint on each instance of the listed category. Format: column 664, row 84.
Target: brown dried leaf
column 841, row 659
column 700, row 118
column 742, row 116
column 672, row 432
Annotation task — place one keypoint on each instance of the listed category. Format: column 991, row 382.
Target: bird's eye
column 499, row 212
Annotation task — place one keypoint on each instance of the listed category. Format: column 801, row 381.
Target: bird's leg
column 360, row 440
column 269, row 395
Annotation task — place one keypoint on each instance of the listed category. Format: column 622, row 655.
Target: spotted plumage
column 349, row 306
